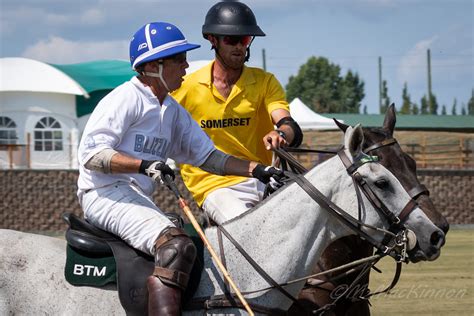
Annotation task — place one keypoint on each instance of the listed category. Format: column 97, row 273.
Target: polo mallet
column 182, row 203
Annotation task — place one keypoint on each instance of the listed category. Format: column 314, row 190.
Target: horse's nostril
column 437, row 239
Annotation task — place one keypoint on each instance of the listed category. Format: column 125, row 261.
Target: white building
column 41, row 107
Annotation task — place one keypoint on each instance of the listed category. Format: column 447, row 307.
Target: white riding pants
column 125, row 211
column 224, row 204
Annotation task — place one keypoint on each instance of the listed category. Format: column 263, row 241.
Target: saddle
column 100, row 259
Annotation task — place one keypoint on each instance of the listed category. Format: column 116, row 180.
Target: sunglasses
column 234, row 40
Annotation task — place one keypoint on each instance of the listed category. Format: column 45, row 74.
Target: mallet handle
column 192, row 219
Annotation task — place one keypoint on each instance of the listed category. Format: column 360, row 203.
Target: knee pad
column 174, row 257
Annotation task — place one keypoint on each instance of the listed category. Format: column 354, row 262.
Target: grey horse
column 289, row 226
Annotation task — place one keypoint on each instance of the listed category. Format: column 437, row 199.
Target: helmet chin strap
column 247, row 55
column 220, row 58
column 158, row 75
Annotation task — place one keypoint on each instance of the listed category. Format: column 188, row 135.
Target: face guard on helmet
column 231, row 19
column 156, row 41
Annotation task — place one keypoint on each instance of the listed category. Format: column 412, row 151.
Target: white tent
column 307, row 119
column 23, row 74
column 195, row 65
column 37, row 115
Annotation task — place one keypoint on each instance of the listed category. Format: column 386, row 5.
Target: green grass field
column 441, row 287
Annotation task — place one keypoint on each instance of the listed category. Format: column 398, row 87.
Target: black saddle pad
column 128, row 268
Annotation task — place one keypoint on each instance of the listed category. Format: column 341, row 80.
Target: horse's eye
column 382, row 184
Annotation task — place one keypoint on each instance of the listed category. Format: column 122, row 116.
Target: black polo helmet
column 231, row 18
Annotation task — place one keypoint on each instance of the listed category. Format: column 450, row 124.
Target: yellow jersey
column 236, row 125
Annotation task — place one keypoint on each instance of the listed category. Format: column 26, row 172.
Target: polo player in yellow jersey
column 238, row 107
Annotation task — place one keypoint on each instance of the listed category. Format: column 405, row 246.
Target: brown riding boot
column 174, row 259
column 163, row 299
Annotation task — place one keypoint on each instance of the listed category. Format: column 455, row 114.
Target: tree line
column 320, row 85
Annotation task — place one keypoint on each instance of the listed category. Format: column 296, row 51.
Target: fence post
column 423, row 151
column 70, row 149
column 10, row 155
column 28, row 150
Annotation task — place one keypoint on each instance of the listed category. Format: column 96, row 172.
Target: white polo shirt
column 132, row 121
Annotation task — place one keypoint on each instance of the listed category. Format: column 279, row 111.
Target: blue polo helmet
column 157, row 40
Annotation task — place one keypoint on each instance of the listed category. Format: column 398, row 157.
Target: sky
column 350, row 33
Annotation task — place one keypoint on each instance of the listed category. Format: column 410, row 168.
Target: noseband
column 370, row 194
column 396, row 238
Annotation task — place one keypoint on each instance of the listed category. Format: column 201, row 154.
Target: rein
column 227, row 300
column 348, row 220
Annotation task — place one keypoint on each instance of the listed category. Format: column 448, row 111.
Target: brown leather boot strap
column 169, row 234
column 175, row 276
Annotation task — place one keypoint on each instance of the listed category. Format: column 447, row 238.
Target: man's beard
column 235, row 62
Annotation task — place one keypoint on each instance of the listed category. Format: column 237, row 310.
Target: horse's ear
column 354, row 138
column 343, row 127
column 390, row 119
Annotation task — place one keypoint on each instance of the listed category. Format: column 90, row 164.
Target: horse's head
column 379, row 141
column 389, row 190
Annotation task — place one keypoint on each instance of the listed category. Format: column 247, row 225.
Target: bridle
column 394, row 244
column 395, row 241
column 418, row 189
column 415, row 192
column 395, row 222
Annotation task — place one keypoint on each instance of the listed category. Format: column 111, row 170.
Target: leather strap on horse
column 227, row 292
column 294, row 164
column 333, row 209
column 354, row 283
column 414, row 193
column 257, row 268
column 411, row 205
column 386, row 142
column 396, row 277
column 221, row 301
column 372, row 197
column 228, row 300
column 418, row 190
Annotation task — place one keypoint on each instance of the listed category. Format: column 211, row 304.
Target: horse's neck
column 287, row 233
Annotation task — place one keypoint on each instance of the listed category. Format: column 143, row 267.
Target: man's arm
column 287, row 133
column 221, row 163
column 110, row 161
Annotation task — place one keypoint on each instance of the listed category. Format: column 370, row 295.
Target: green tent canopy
column 459, row 123
column 97, row 78
column 100, row 74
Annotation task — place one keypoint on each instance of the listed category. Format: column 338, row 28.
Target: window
column 48, row 135
column 7, row 131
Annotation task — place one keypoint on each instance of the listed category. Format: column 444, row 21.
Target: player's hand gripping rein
column 269, row 175
column 156, row 169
